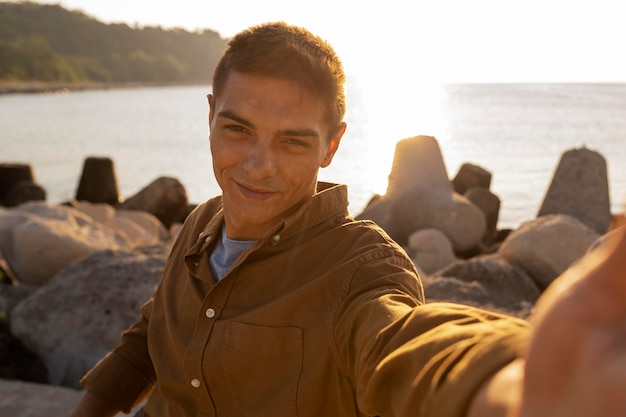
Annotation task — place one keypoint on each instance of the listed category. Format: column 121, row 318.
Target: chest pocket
column 261, row 367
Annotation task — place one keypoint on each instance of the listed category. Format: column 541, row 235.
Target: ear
column 211, row 98
column 333, row 145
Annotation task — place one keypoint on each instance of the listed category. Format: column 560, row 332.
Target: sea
column 518, row 132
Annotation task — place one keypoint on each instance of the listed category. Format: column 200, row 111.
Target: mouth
column 254, row 193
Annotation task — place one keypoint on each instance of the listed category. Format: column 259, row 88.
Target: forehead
column 271, row 97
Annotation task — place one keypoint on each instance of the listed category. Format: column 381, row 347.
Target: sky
column 441, row 41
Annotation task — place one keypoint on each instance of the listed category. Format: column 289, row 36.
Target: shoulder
column 204, row 212
column 371, row 252
column 198, row 220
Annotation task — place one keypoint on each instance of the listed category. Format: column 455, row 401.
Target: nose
column 260, row 161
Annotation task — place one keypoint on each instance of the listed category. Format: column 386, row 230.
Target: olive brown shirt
column 324, row 316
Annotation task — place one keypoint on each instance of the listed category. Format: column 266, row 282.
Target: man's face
column 268, row 140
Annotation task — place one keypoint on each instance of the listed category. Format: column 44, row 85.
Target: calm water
column 517, row 132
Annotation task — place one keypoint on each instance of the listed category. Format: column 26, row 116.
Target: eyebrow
column 304, row 132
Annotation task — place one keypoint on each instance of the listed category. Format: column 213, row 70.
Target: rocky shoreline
column 73, row 275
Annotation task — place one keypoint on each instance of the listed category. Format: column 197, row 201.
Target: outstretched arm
column 576, row 361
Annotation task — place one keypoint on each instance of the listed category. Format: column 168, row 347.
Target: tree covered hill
column 42, row 42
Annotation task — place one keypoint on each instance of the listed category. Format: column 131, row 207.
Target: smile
column 254, row 193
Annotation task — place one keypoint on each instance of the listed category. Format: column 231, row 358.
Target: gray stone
column 77, row 318
column 165, row 198
column 545, row 247
column 580, row 189
column 460, row 220
column 25, row 399
column 431, row 250
column 139, row 227
column 489, row 204
column 39, row 239
column 469, row 176
column 485, row 281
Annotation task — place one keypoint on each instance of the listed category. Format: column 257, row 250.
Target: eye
column 298, row 142
column 235, row 128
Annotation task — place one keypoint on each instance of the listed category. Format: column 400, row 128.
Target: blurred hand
column 576, row 362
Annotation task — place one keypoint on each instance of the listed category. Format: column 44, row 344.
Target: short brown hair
column 287, row 52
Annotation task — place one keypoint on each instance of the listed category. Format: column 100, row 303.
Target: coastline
column 42, row 87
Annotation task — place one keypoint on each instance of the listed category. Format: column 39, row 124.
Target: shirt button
column 195, row 383
column 276, row 237
column 209, row 237
column 210, row 313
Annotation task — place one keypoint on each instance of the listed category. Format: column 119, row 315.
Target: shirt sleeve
column 408, row 358
column 125, row 376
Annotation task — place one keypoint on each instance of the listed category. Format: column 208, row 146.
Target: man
column 275, row 302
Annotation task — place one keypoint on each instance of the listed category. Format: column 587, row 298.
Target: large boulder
column 545, row 247
column 165, row 198
column 27, row 399
column 420, row 196
column 140, row 228
column 486, row 281
column 580, row 189
column 77, row 318
column 39, row 239
column 460, row 220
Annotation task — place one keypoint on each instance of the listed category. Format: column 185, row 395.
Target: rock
column 23, row 191
column 77, row 318
column 11, row 295
column 98, row 183
column 489, row 204
column 547, row 246
column 417, row 163
column 10, row 174
column 165, row 198
column 460, row 220
column 377, row 210
column 18, row 362
column 139, row 227
column 420, row 196
column 25, row 399
column 484, row 281
column 580, row 189
column 431, row 250
column 470, row 176
column 39, row 239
